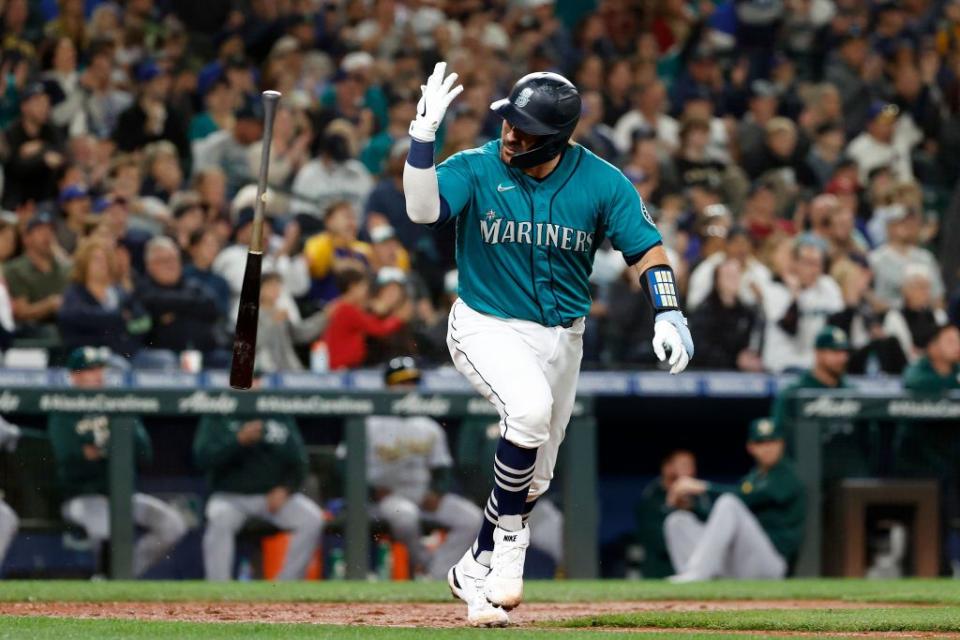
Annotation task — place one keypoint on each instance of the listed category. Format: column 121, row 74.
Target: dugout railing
column 578, row 455
column 811, row 412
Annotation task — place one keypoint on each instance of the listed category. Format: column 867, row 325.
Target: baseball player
column 408, row 466
column 754, row 528
column 255, row 467
column 530, row 208
column 9, row 523
column 81, row 447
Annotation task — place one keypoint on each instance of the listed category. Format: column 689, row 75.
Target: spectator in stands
column 290, row 149
column 335, row 175
column 918, row 317
column 220, row 100
column 409, row 472
column 761, row 109
column 779, row 157
column 652, row 510
column 591, row 132
column 796, row 307
column 277, row 334
column 183, row 312
column 202, row 249
column 825, row 153
column 888, row 140
column 113, row 212
column 386, row 206
column 8, row 244
column 151, row 117
column 693, row 163
column 163, row 176
column 95, row 311
column 334, row 249
column 231, row 262
column 229, row 149
column 36, row 280
column 352, row 321
column 891, row 260
column 873, row 347
column 730, row 323
column 648, row 116
column 73, row 222
column 834, row 222
column 188, row 217
column 739, row 247
column 853, row 71
column 81, row 450
column 34, row 151
column 755, row 527
column 255, row 469
column 103, row 100
column 939, row 368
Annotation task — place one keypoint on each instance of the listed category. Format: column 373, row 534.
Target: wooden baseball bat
column 245, row 337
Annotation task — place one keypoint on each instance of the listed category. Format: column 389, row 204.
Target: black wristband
column 660, row 285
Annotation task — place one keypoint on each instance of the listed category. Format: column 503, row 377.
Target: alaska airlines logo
column 499, row 231
column 524, row 97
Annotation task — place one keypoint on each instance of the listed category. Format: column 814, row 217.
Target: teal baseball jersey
column 525, row 247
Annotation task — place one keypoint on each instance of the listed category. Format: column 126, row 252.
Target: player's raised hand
column 438, row 93
column 670, row 332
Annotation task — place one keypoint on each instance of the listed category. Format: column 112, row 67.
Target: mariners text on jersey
column 538, row 237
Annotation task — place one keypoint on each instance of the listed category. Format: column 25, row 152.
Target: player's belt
column 566, row 324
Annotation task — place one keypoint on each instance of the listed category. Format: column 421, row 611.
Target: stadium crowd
column 798, row 156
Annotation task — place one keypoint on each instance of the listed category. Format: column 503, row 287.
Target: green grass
column 812, row 620
column 64, row 629
column 945, row 592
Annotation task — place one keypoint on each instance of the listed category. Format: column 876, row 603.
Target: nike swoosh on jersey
column 501, row 188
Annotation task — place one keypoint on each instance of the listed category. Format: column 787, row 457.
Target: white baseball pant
column 226, row 515
column 731, row 544
column 164, row 525
column 528, row 371
column 9, row 523
column 460, row 517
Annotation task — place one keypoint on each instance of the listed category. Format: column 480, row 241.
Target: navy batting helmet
column 402, row 370
column 541, row 104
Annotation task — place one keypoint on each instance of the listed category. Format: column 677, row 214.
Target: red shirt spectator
column 351, row 323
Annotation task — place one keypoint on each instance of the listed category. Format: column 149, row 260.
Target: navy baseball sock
column 513, row 474
column 506, row 507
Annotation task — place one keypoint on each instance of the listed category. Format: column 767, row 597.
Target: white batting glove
column 438, row 93
column 670, row 332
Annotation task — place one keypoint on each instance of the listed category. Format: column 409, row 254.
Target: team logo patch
column 524, row 97
column 765, row 427
column 646, row 214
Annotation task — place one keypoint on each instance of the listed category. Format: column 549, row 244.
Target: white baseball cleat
column 466, row 579
column 504, row 585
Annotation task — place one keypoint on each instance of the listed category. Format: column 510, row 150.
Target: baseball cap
column 382, row 233
column 244, row 217
column 882, row 109
column 390, row 275
column 105, row 202
column 763, row 430
column 401, row 369
column 763, row 89
column 249, row 110
column 832, row 338
column 39, row 219
column 148, row 70
column 72, row 192
column 83, row 358
column 32, row 89
column 8, row 218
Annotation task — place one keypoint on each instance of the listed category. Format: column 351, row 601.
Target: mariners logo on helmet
column 524, row 97
column 545, row 105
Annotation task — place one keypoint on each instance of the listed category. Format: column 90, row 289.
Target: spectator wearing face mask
column 335, row 175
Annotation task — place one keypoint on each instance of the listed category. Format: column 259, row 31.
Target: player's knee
column 728, row 502
column 402, row 515
column 676, row 522
column 223, row 517
column 173, row 528
column 311, row 518
column 532, row 419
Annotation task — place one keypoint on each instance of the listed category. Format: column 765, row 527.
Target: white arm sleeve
column 422, row 193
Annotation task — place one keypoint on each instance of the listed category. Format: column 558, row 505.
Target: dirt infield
column 434, row 615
